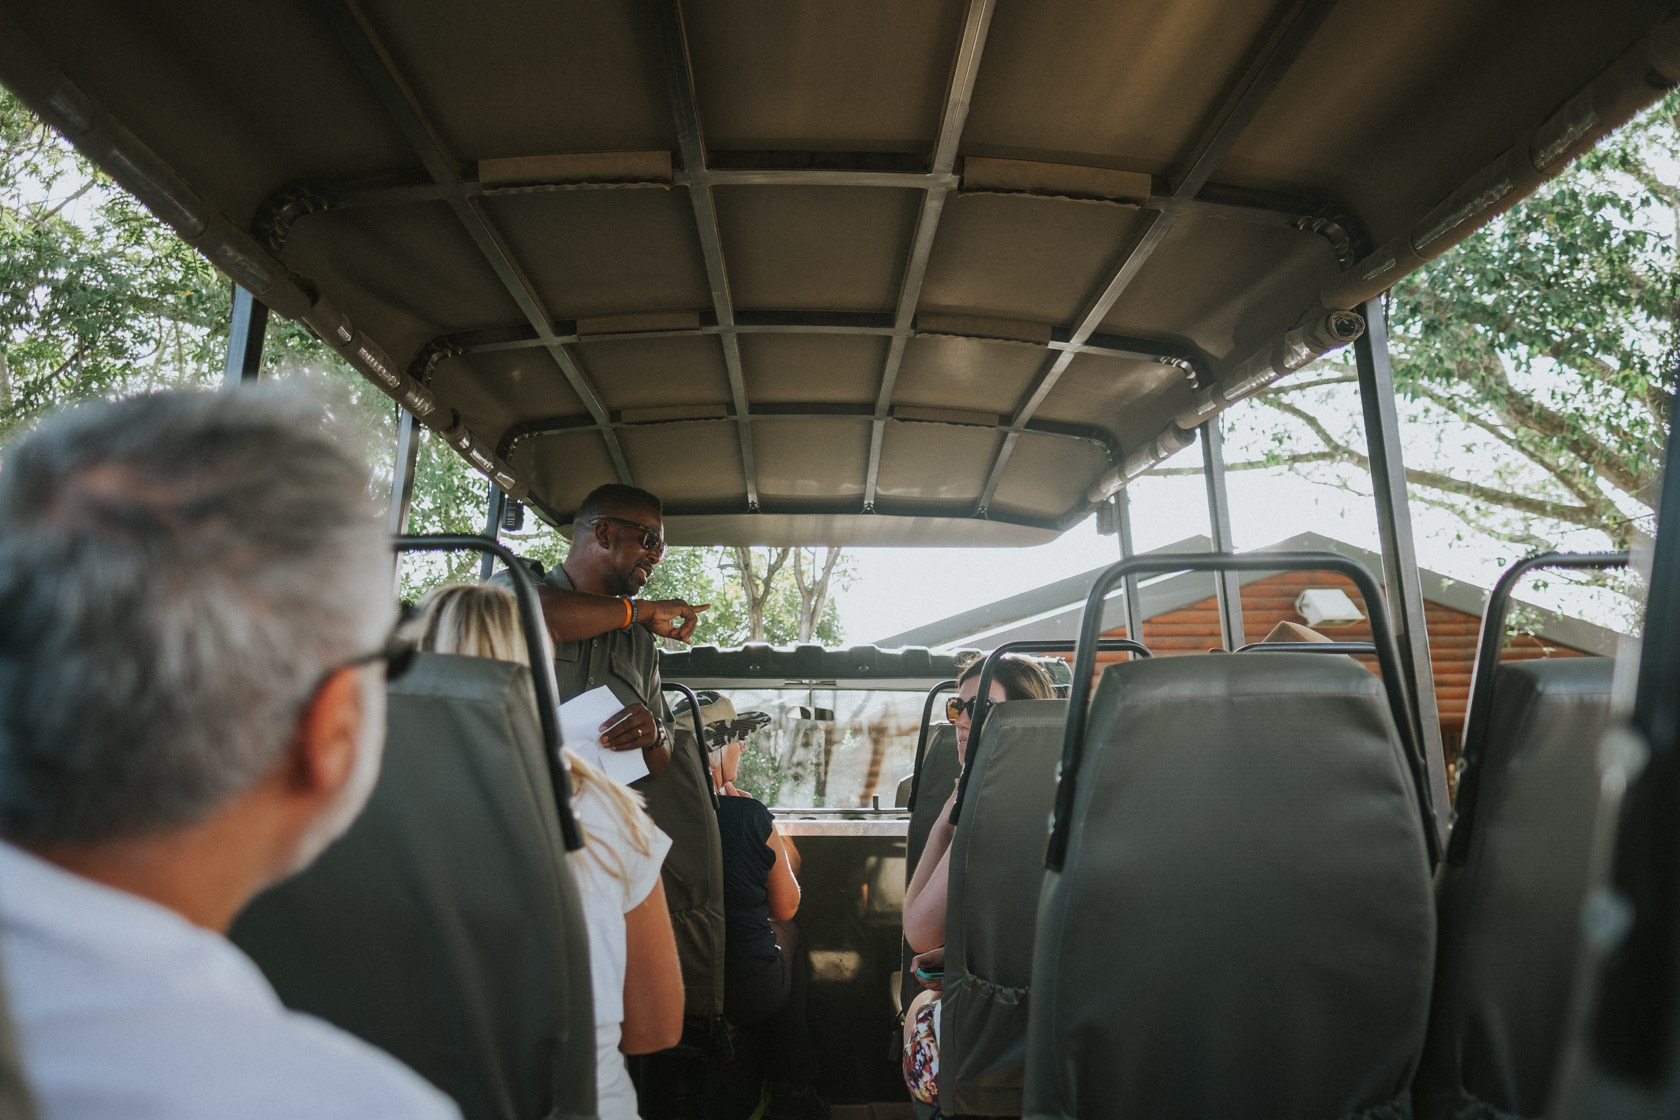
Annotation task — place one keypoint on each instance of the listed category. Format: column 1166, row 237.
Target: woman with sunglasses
column 1013, row 678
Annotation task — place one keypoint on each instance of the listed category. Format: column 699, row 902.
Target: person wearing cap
column 764, row 975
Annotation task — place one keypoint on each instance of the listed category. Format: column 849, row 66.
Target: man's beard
column 336, row 818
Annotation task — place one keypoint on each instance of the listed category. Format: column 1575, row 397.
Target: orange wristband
column 629, row 613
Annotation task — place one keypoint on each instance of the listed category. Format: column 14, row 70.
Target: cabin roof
column 863, row 273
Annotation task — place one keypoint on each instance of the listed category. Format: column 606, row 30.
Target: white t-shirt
column 606, row 898
column 127, row 1011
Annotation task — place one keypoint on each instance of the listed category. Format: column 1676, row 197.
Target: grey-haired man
column 195, row 593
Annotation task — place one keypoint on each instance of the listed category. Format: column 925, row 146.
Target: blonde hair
column 482, row 620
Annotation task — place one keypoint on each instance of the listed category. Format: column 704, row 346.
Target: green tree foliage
column 1535, row 360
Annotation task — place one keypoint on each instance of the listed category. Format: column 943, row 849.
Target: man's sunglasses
column 651, row 541
column 955, row 707
column 397, row 654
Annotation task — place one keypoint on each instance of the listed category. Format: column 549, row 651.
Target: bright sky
column 899, row 588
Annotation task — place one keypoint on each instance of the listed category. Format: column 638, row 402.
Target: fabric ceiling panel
column 1374, row 112
column 227, row 111
column 605, row 252
column 938, row 463
column 563, row 468
column 966, row 373
column 488, row 74
column 1230, row 287
column 407, row 273
column 1127, row 398
column 1047, row 476
column 799, row 368
column 1017, row 257
column 870, row 75
column 814, row 460
column 1054, row 86
column 695, row 463
column 815, row 248
column 494, row 391
column 656, row 372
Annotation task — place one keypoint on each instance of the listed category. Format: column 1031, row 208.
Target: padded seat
column 997, row 867
column 1510, row 916
column 939, row 776
column 1243, row 924
column 444, row 926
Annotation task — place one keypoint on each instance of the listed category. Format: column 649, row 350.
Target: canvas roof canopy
column 863, row 273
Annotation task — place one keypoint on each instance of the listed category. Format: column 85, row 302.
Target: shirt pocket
column 629, row 668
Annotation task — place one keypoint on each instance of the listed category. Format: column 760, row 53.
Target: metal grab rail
column 699, row 734
column 1351, row 648
column 921, row 740
column 542, row 667
column 983, row 697
column 1388, row 659
column 1478, row 710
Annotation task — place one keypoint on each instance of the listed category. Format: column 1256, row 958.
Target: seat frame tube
column 922, row 739
column 542, row 667
column 699, row 733
column 1090, row 629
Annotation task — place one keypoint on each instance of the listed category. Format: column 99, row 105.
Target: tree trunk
column 756, row 587
column 813, row 591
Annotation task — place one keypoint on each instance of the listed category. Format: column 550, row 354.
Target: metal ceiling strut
column 1227, row 587
column 679, row 88
column 358, row 37
column 1273, row 58
column 977, row 20
column 245, row 338
column 1401, row 583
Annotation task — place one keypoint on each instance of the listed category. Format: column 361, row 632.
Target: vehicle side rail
column 1478, row 710
column 542, row 667
column 983, row 701
column 1352, row 648
column 1090, row 628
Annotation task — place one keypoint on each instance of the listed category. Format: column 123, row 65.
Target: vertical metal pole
column 492, row 527
column 402, row 478
column 1227, row 587
column 245, row 338
column 1400, row 571
column 1134, row 602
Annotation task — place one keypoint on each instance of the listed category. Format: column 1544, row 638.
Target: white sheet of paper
column 581, row 718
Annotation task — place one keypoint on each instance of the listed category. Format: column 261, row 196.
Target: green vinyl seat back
column 938, row 778
column 680, row 803
column 1243, row 924
column 1510, row 914
column 444, row 927
column 997, row 867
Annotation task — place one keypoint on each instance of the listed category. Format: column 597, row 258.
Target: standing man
column 196, row 593
column 603, row 635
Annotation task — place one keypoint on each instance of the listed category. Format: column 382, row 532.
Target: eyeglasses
column 955, row 707
column 651, row 540
column 397, row 653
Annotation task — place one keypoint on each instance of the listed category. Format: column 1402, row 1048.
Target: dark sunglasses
column 651, row 541
column 955, row 707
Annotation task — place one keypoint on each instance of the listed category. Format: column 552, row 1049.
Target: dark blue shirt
column 744, row 825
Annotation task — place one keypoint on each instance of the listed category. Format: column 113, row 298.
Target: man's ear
column 324, row 749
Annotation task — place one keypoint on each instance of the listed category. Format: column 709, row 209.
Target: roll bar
column 699, row 733
column 542, row 667
column 983, row 701
column 1479, row 709
column 1351, row 648
column 921, row 740
column 1090, row 627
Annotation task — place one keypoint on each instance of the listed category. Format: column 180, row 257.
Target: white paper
column 581, row 718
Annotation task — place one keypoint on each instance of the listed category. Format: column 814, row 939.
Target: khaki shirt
column 626, row 661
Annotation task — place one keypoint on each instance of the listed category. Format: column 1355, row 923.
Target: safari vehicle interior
column 954, row 273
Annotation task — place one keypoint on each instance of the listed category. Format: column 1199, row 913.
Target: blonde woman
column 632, row 952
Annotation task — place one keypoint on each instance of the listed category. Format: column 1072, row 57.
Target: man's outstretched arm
column 576, row 616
